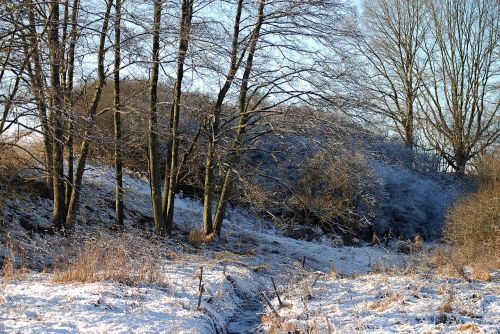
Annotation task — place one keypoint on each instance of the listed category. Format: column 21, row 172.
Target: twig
column 268, row 302
column 328, row 325
column 316, row 280
column 201, row 278
column 276, row 291
column 202, row 288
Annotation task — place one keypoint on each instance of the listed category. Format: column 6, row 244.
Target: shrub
column 18, row 166
column 336, row 192
column 473, row 225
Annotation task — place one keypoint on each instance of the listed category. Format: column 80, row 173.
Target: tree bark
column 70, row 69
column 39, row 92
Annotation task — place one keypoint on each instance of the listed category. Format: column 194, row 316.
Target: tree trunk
column 154, row 163
column 39, row 89
column 460, row 161
column 70, row 67
column 408, row 125
column 117, row 120
column 38, row 84
column 56, row 106
column 186, row 17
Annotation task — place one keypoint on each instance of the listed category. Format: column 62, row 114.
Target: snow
column 381, row 303
column 236, row 270
column 36, row 305
column 413, row 202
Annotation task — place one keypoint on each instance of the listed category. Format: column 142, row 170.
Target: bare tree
column 214, row 128
column 13, row 64
column 172, row 161
column 85, row 147
column 68, row 79
column 243, row 116
column 460, row 91
column 395, row 31
column 38, row 86
column 56, row 102
column 292, row 57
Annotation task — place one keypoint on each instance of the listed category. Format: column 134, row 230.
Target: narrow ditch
column 246, row 320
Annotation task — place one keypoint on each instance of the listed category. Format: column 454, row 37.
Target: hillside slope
column 237, row 269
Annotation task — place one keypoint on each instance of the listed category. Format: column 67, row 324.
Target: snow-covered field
column 236, row 271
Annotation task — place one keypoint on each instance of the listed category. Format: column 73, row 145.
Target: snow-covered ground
column 237, row 269
column 381, row 303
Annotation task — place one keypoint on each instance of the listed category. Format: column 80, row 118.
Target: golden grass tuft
column 469, row 327
column 384, row 303
column 447, row 305
column 198, row 237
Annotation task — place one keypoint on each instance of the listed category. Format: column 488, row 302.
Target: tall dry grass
column 121, row 257
column 13, row 266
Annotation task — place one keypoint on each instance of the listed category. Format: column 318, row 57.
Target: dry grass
column 8, row 268
column 16, row 158
column 470, row 328
column 419, row 242
column 262, row 267
column 384, row 303
column 410, row 247
column 276, row 326
column 447, row 305
column 124, row 257
column 198, row 237
column 336, row 192
column 12, row 269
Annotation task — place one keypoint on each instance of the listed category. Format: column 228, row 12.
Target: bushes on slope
column 473, row 225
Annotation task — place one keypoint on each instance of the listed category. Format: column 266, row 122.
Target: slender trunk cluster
column 38, row 85
column 68, row 95
column 431, row 71
column 173, row 161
